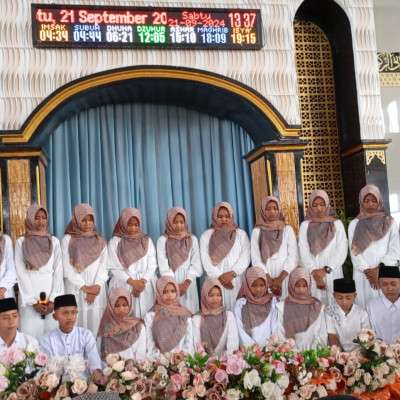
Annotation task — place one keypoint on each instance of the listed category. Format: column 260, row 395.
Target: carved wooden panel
column 287, row 188
column 259, row 179
column 19, row 187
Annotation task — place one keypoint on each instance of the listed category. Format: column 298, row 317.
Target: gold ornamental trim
column 25, row 154
column 365, row 146
column 263, row 149
column 119, row 76
column 269, row 177
column 379, row 154
column 38, row 184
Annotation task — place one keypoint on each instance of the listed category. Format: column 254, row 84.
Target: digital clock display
column 94, row 26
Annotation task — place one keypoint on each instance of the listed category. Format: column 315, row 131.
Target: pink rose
column 336, row 374
column 221, row 377
column 41, row 359
column 378, row 374
column 321, row 391
column 331, row 385
column 348, row 369
column 27, row 391
column 367, row 378
column 342, row 358
column 4, row 382
column 306, row 391
column 357, row 374
column 279, row 367
column 235, row 364
column 351, row 381
column 12, row 355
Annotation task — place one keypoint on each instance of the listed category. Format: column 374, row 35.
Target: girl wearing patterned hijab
column 225, row 252
column 168, row 323
column 178, row 256
column 214, row 327
column 301, row 316
column 323, row 246
column 132, row 261
column 120, row 332
column 39, row 269
column 274, row 246
column 373, row 239
column 84, row 253
column 255, row 309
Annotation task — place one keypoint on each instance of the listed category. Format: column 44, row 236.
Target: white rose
column 162, row 371
column 52, row 381
column 107, row 371
column 251, row 379
column 119, row 366
column 33, row 348
column 128, row 375
column 2, row 370
column 112, row 359
column 136, row 396
column 79, row 386
column 233, row 394
column 164, row 360
column 267, row 388
column 283, row 381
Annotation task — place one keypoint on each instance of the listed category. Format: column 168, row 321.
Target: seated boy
column 345, row 319
column 9, row 320
column 69, row 339
column 384, row 311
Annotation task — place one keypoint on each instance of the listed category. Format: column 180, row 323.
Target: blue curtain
column 152, row 157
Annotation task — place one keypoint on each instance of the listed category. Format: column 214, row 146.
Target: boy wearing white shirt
column 69, row 339
column 9, row 320
column 384, row 311
column 344, row 319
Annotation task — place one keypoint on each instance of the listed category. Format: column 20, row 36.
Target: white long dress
column 145, row 268
column 285, row 259
column 89, row 315
column 333, row 256
column 385, row 250
column 259, row 334
column 48, row 279
column 229, row 341
column 8, row 275
column 185, row 344
column 238, row 259
column 190, row 269
column 315, row 334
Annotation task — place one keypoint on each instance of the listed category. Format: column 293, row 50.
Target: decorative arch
column 204, row 91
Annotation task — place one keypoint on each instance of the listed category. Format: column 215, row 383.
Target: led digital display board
column 94, row 26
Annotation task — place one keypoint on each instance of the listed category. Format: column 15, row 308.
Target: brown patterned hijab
column 321, row 230
column 271, row 231
column 256, row 309
column 178, row 244
column 37, row 246
column 213, row 320
column 130, row 248
column 370, row 226
column 223, row 238
column 300, row 311
column 118, row 334
column 84, row 247
column 170, row 321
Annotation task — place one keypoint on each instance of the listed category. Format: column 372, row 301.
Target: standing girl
column 225, row 252
column 214, row 327
column 168, row 323
column 178, row 256
column 255, row 309
column 301, row 316
column 323, row 246
column 132, row 261
column 373, row 239
column 121, row 333
column 274, row 246
column 84, row 253
column 39, row 269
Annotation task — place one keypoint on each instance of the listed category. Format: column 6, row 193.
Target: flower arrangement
column 275, row 372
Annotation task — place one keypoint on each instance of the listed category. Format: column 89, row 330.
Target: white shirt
column 346, row 327
column 229, row 341
column 79, row 341
column 385, row 318
column 285, row 259
column 333, row 256
column 8, row 275
column 21, row 341
column 238, row 259
column 314, row 335
column 185, row 344
column 259, row 334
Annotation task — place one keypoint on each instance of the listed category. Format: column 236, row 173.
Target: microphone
column 42, row 300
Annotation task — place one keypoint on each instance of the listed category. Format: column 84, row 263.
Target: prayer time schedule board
column 116, row 27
